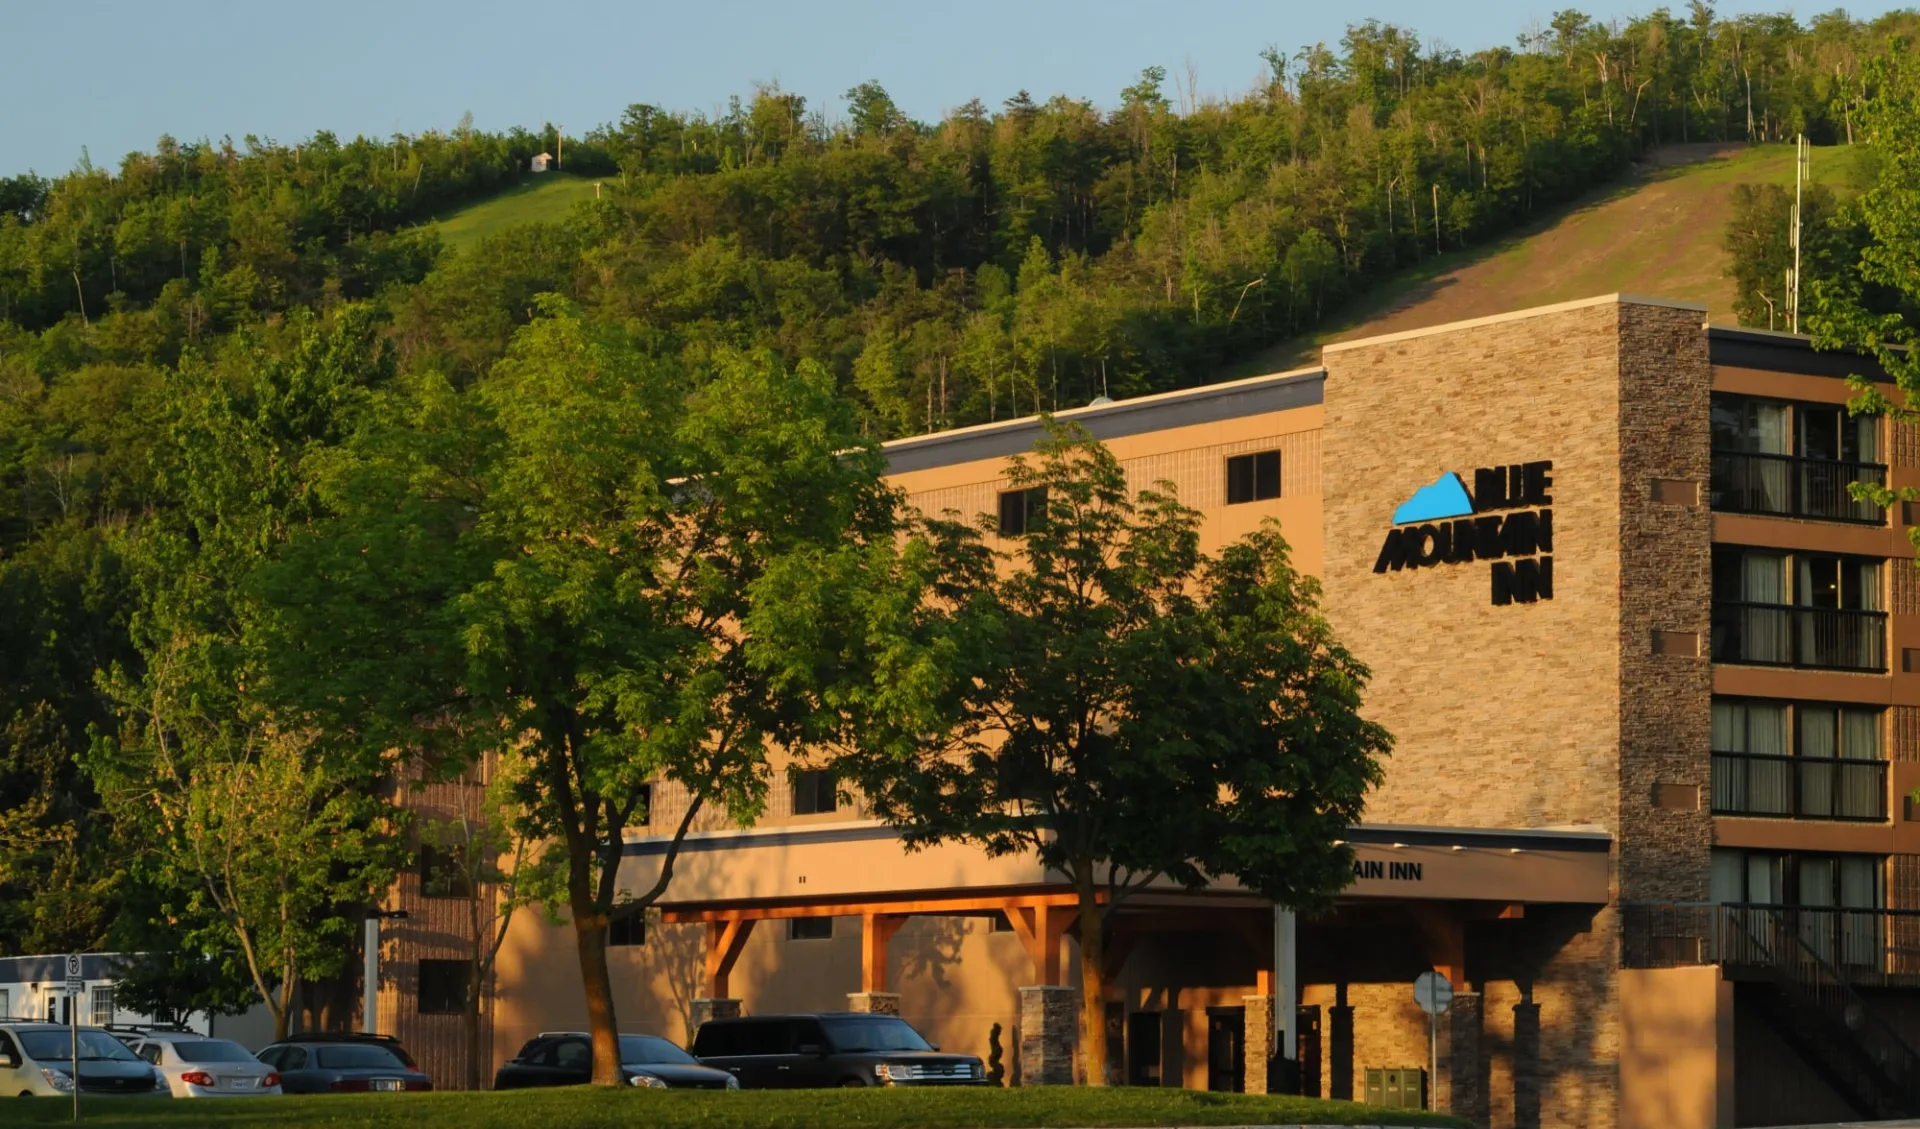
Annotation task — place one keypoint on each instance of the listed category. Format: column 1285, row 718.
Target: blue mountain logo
column 1446, row 497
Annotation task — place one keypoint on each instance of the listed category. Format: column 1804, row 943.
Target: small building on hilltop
column 540, row 163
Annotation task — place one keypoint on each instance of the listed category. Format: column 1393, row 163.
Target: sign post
column 1434, row 993
column 76, row 987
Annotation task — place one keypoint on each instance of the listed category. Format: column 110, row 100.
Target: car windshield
column 640, row 1050
column 212, row 1050
column 853, row 1035
column 357, row 1058
column 53, row 1046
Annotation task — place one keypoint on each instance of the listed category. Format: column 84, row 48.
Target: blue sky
column 112, row 75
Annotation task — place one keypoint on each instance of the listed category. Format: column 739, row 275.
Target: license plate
column 386, row 1083
column 236, row 1083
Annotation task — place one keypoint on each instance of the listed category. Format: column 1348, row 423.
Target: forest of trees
column 1002, row 260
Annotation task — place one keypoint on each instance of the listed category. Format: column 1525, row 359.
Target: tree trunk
column 590, row 936
column 473, row 1026
column 1093, row 983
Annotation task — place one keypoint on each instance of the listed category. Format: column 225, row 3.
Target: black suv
column 830, row 1049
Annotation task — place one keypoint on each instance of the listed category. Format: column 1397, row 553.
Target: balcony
column 1814, row 638
column 1782, row 787
column 1874, row 947
column 1790, row 486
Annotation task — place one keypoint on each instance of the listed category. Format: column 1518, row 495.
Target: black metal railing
column 1791, row 486
column 1874, row 947
column 1799, row 787
column 1782, row 635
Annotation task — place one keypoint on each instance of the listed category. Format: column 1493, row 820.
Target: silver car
column 196, row 1066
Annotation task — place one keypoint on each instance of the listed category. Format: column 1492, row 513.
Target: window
column 443, row 987
column 1784, row 878
column 1802, row 609
column 1021, row 510
column 1802, row 460
column 102, row 999
column 1253, row 478
column 627, row 929
column 1798, row 761
column 6, row 1003
column 444, row 872
column 810, row 929
column 150, row 1052
column 814, row 792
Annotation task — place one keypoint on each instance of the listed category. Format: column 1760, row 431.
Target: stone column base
column 704, row 1009
column 1049, row 1033
column 874, row 1003
column 1464, row 1067
column 1257, row 1048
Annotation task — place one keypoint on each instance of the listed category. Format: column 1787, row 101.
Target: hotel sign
column 1507, row 521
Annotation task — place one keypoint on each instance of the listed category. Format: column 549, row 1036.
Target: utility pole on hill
column 1802, row 172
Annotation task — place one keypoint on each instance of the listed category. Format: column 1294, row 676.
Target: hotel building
column 1646, row 665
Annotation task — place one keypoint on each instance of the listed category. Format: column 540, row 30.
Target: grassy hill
column 539, row 198
column 1657, row 233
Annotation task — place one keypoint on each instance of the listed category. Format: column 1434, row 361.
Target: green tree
column 562, row 555
column 1107, row 698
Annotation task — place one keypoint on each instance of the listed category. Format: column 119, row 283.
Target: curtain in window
column 1816, row 899
column 1818, row 732
column 1859, row 795
column 1770, row 477
column 1756, row 787
column 1860, row 942
column 1763, row 580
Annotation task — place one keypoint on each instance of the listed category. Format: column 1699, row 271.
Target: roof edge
column 1518, row 315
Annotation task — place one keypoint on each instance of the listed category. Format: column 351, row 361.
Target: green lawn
column 539, row 198
column 584, row 1108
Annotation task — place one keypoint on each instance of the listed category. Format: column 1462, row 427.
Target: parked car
column 36, row 1059
column 565, row 1058
column 197, row 1066
column 344, row 1063
column 830, row 1049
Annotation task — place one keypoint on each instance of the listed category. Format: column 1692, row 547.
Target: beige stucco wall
column 1676, row 1066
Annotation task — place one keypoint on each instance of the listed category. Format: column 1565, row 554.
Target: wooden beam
column 1445, row 932
column 725, row 940
column 1040, row 929
column 876, row 932
column 969, row 905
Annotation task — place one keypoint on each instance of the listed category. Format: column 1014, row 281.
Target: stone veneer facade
column 1557, row 712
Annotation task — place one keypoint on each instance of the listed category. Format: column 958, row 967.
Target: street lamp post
column 370, row 989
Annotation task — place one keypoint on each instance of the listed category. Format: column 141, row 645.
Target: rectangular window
column 1253, row 478
column 627, row 929
column 1801, row 460
column 443, row 987
column 102, row 1006
column 444, row 872
column 814, row 792
column 6, row 1002
column 1798, row 761
column 810, row 929
column 1803, row 609
column 1021, row 510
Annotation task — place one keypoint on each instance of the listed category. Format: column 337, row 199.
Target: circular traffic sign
column 1433, row 992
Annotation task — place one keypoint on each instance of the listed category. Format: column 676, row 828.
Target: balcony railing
column 1872, row 947
column 1778, row 635
column 1790, row 486
column 1799, row 787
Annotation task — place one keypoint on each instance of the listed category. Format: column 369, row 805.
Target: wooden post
column 725, row 940
column 876, row 932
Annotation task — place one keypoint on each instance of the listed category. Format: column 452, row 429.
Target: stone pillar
column 1465, row 1066
column 1049, row 1031
column 1258, row 1046
column 874, row 1003
column 1340, row 1048
column 705, row 1009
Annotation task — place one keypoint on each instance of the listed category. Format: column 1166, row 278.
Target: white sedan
column 199, row 1067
